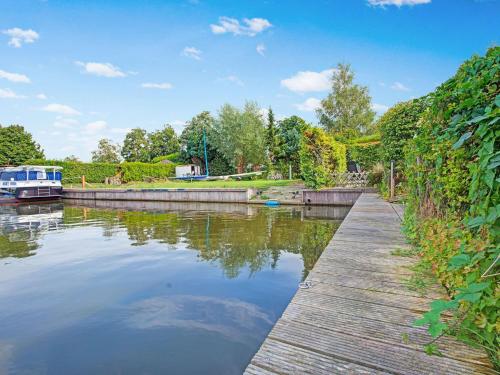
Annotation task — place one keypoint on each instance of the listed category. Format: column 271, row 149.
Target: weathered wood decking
column 357, row 317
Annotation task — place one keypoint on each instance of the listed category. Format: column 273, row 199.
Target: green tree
column 163, row 142
column 17, row 146
column 346, row 112
column 106, row 152
column 397, row 126
column 271, row 140
column 192, row 149
column 240, row 136
column 290, row 133
column 72, row 159
column 136, row 146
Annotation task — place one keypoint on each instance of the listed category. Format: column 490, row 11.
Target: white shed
column 187, row 170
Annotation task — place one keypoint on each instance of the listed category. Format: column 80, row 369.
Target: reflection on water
column 148, row 287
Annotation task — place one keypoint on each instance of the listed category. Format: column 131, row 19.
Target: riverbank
column 358, row 314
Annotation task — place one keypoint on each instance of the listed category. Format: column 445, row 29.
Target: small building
column 187, row 170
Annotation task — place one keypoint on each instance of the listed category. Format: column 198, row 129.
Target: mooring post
column 83, row 182
column 392, row 180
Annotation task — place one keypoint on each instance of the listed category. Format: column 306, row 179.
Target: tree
column 346, row 112
column 271, row 141
column 240, row 136
column 106, row 152
column 17, row 146
column 72, row 159
column 192, row 146
column 163, row 142
column 136, row 146
column 290, row 133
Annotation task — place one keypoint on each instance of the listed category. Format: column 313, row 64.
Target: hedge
column 73, row 171
column 137, row 171
column 366, row 151
column 453, row 207
column 320, row 157
column 397, row 126
column 97, row 172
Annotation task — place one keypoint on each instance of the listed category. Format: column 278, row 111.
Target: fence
column 351, row 179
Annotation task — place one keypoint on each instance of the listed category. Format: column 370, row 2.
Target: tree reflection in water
column 234, row 236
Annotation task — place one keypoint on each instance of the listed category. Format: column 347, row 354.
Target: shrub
column 137, row 171
column 174, row 158
column 397, row 126
column 365, row 151
column 453, row 207
column 73, row 171
column 320, row 156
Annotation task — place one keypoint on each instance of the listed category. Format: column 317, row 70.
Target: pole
column 289, row 171
column 83, row 182
column 392, row 179
column 205, row 151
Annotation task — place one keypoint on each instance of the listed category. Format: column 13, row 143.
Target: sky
column 73, row 72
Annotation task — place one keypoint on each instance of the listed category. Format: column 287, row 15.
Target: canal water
column 149, row 288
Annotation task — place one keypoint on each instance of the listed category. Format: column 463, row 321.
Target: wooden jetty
column 357, row 316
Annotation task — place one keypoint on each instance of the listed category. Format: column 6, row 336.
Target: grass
column 402, row 252
column 422, row 278
column 230, row 184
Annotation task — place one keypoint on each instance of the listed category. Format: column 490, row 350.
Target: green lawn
column 256, row 184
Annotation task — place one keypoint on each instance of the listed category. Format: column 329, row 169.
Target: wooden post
column 83, row 182
column 289, row 171
column 392, row 180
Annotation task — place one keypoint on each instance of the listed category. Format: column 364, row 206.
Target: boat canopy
column 31, row 173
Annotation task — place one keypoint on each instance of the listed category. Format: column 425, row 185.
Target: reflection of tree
column 17, row 249
column 234, row 241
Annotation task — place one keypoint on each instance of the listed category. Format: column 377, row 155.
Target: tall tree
column 346, row 112
column 163, row 142
column 192, row 147
column 107, row 152
column 240, row 136
column 271, row 141
column 290, row 133
column 72, row 159
column 17, row 146
column 136, row 146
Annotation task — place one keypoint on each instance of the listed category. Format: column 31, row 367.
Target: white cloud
column 64, row 123
column 309, row 81
column 398, row 3
column 250, row 26
column 41, row 96
column 101, row 69
column 61, row 109
column 310, row 104
column 192, row 52
column 161, row 86
column 261, row 48
column 9, row 94
column 398, row 86
column 14, row 77
column 379, row 108
column 19, row 36
column 95, row 127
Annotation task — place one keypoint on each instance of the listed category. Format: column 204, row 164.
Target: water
column 149, row 288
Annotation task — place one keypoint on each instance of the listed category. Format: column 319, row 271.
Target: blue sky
column 73, row 72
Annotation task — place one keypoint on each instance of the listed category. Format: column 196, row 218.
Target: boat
column 28, row 183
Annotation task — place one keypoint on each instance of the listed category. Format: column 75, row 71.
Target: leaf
column 497, row 100
column 475, row 222
column 475, row 287
column 432, row 349
column 462, row 139
column 437, row 328
column 458, row 261
column 470, row 297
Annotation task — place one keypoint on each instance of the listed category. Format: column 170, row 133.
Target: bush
column 453, row 208
column 174, row 158
column 137, row 171
column 73, row 171
column 320, row 156
column 366, row 151
column 397, row 126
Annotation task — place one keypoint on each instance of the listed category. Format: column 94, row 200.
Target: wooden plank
column 357, row 317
